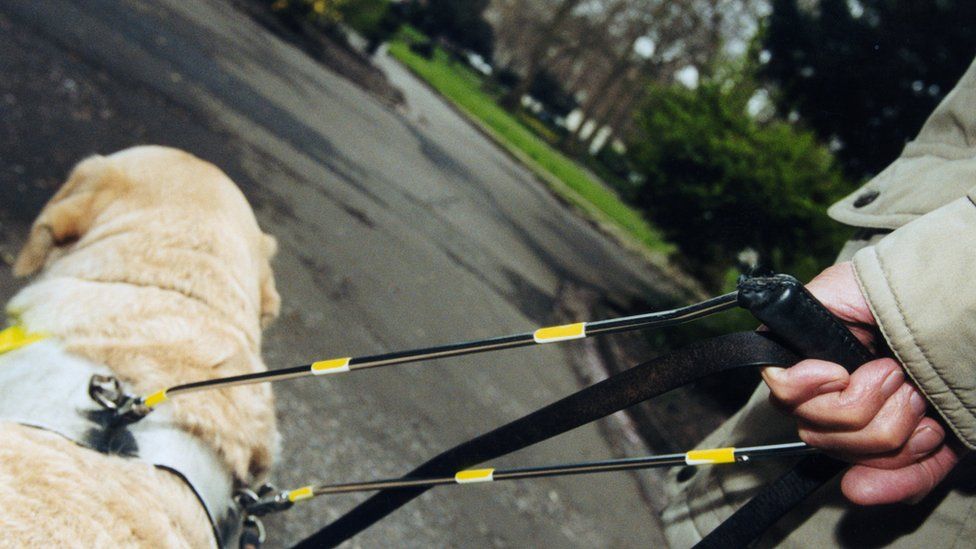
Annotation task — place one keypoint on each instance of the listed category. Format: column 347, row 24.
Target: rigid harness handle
column 800, row 322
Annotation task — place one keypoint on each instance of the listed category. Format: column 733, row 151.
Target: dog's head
column 161, row 199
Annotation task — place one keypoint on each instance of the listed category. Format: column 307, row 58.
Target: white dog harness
column 36, row 372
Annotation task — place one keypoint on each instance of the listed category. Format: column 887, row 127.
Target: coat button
column 866, row 198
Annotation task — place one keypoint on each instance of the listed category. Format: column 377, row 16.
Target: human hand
column 874, row 418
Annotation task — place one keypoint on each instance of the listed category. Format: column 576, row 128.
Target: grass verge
column 463, row 87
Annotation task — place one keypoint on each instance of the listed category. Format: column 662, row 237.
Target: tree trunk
column 617, row 118
column 605, row 112
column 623, row 118
column 538, row 54
column 597, row 96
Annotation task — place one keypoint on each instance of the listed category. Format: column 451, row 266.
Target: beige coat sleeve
column 920, row 280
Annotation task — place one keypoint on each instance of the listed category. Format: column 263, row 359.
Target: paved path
column 397, row 228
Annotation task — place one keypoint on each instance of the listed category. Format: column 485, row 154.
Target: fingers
column 806, row 380
column 924, row 440
column 823, row 395
column 887, row 431
column 873, row 417
column 872, row 411
column 869, row 486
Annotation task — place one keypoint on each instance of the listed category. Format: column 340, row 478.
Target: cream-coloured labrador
column 151, row 264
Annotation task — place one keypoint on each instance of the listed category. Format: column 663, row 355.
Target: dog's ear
column 70, row 212
column 270, row 300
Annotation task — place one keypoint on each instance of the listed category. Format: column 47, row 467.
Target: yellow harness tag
column 565, row 332
column 711, row 456
column 156, row 399
column 475, row 475
column 331, row 366
column 17, row 336
column 298, row 494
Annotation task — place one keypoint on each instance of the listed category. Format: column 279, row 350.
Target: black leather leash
column 799, row 327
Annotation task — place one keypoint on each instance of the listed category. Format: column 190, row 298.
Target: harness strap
column 774, row 501
column 622, row 390
column 17, row 336
column 44, row 386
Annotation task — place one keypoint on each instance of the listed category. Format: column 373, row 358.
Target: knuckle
column 838, row 414
column 926, row 480
column 857, row 417
column 862, row 399
column 888, row 438
column 930, row 479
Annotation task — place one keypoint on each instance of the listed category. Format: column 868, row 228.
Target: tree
column 539, row 52
column 550, row 93
column 373, row 19
column 683, row 33
column 718, row 182
column 865, row 75
column 459, row 21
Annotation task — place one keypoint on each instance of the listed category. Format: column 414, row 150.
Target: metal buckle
column 108, row 393
column 268, row 499
column 254, row 534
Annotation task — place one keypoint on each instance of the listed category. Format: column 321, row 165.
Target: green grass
column 463, row 86
column 537, row 127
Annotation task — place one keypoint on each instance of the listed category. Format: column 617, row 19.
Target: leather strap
column 775, row 500
column 652, row 378
column 806, row 326
column 800, row 321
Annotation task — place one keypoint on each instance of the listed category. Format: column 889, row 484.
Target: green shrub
column 717, row 182
column 373, row 19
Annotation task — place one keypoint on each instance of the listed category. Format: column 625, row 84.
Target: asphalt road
column 397, row 228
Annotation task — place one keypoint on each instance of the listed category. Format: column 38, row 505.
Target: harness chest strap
column 36, row 371
column 17, row 336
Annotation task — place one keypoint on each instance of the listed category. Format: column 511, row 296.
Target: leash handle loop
column 800, row 321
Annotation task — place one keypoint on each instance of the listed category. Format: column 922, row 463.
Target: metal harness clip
column 108, row 393
column 267, row 500
column 253, row 535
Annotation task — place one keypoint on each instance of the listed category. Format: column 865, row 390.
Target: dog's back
column 153, row 267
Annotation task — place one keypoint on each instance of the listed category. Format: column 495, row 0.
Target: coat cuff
column 918, row 282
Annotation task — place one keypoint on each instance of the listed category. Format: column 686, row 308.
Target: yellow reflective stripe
column 17, row 336
column 560, row 333
column 475, row 475
column 155, row 399
column 331, row 366
column 298, row 494
column 712, row 456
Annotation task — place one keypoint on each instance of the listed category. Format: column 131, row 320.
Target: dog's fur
column 153, row 264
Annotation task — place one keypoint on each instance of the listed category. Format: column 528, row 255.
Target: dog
column 152, row 268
